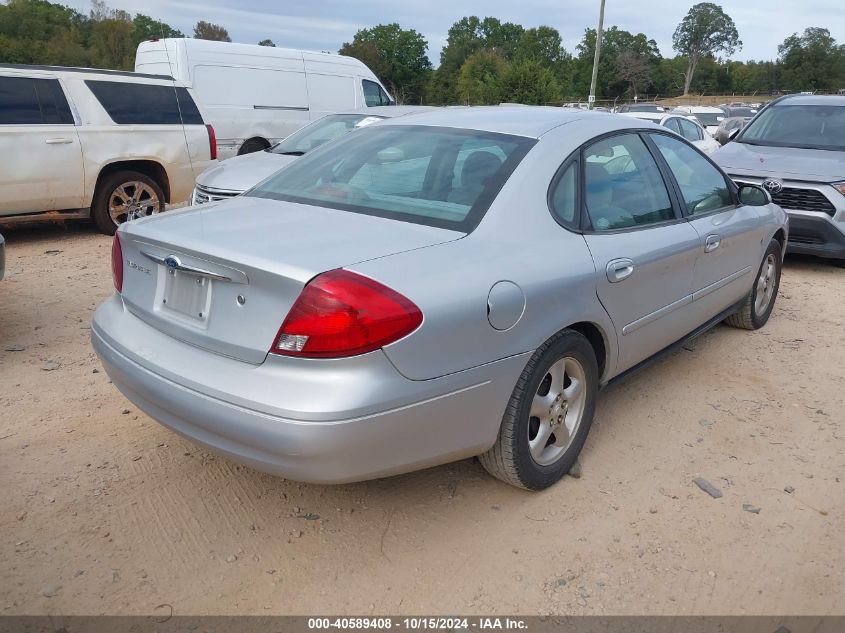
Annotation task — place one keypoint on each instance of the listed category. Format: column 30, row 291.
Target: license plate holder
column 187, row 295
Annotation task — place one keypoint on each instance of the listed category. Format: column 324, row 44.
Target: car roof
column 86, row 71
column 388, row 112
column 530, row 121
column 823, row 100
column 695, row 109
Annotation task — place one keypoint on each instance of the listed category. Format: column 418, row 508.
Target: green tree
column 615, row 42
column 529, row 81
column 146, row 28
column 112, row 44
column 207, row 31
column 267, row 43
column 396, row 55
column 705, row 31
column 481, row 76
column 467, row 36
column 812, row 60
column 40, row 32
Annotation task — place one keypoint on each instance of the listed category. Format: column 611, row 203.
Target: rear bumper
column 344, row 421
column 815, row 235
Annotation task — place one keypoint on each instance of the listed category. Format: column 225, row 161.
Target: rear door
column 729, row 234
column 40, row 154
column 643, row 250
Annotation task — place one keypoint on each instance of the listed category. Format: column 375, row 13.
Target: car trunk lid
column 224, row 276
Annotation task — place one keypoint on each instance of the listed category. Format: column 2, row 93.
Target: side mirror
column 733, row 133
column 754, row 196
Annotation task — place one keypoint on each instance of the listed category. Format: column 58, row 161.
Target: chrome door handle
column 712, row 243
column 619, row 269
column 58, row 141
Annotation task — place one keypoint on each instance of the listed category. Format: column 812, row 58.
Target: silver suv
column 795, row 148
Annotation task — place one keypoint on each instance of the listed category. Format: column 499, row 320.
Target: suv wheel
column 124, row 196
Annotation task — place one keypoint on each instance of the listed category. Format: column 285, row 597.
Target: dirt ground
column 105, row 511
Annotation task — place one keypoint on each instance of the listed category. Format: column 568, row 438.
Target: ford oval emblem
column 171, row 261
column 772, row 186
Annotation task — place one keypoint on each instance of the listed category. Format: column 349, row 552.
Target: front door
column 643, row 250
column 729, row 234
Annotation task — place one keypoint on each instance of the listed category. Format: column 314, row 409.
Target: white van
column 254, row 96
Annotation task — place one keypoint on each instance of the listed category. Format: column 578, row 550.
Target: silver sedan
column 421, row 292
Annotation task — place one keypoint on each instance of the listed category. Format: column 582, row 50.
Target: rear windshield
column 442, row 177
column 645, row 108
column 326, row 129
column 710, row 118
column 806, row 126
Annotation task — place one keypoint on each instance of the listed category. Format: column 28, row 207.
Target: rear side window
column 564, row 195
column 374, row 95
column 623, row 185
column 28, row 101
column 690, row 130
column 145, row 104
column 672, row 124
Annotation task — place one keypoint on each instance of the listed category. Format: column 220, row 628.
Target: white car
column 709, row 116
column 110, row 145
column 237, row 174
column 683, row 125
column 255, row 96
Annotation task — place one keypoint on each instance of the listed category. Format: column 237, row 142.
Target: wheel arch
column 598, row 341
column 254, row 139
column 149, row 168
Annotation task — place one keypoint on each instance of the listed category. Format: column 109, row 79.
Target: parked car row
column 115, row 146
column 388, row 289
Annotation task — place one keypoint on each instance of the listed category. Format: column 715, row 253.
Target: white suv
column 110, row 145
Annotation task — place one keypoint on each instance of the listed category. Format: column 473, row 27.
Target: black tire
column 107, row 189
column 510, row 457
column 749, row 316
column 253, row 145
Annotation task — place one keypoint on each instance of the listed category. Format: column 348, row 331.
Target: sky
column 327, row 24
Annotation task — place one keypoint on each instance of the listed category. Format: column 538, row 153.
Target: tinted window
column 405, row 173
column 374, row 95
column 702, row 185
column 190, row 114
column 26, row 101
column 144, row 104
column 810, row 126
column 564, row 195
column 623, row 185
column 690, row 130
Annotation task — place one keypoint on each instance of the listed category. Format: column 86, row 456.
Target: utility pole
column 591, row 100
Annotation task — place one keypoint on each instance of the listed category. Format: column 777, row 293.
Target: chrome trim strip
column 698, row 294
column 649, row 318
column 269, row 107
column 184, row 268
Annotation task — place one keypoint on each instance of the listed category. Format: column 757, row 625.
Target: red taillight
column 117, row 263
column 341, row 313
column 212, row 141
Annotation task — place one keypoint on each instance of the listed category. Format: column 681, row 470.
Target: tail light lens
column 117, row 263
column 341, row 313
column 212, row 141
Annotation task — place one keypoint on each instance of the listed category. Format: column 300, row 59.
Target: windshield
column 326, row 129
column 807, row 126
column 443, row 177
column 709, row 118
